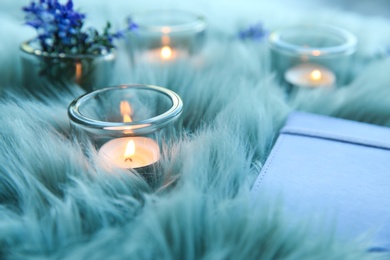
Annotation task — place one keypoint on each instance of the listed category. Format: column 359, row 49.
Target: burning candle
column 130, row 152
column 310, row 75
column 124, row 134
column 164, row 53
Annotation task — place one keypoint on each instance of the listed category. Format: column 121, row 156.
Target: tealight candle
column 131, row 152
column 122, row 123
column 312, row 55
column 165, row 36
column 310, row 75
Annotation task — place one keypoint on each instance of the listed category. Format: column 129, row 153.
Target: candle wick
column 128, row 159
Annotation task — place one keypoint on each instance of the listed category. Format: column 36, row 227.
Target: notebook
column 335, row 170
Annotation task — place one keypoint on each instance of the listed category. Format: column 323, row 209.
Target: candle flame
column 315, row 75
column 166, row 52
column 130, row 149
column 126, row 111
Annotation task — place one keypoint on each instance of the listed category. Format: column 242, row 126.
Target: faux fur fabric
column 57, row 204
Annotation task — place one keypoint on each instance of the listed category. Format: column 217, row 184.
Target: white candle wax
column 145, row 152
column 310, row 75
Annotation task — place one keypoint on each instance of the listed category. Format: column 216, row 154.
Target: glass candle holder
column 123, row 121
column 86, row 70
column 314, row 55
column 166, row 35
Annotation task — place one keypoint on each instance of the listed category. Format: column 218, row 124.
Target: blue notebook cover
column 335, row 169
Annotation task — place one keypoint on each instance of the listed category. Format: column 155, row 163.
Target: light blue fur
column 54, row 203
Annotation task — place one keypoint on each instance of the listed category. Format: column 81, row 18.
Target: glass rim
column 348, row 46
column 27, row 48
column 198, row 23
column 142, row 126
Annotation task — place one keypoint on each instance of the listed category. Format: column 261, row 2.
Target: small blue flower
column 60, row 28
column 256, row 32
column 34, row 23
column 69, row 5
column 131, row 25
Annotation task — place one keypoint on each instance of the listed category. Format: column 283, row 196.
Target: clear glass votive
column 89, row 71
column 166, row 35
column 312, row 55
column 123, row 121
